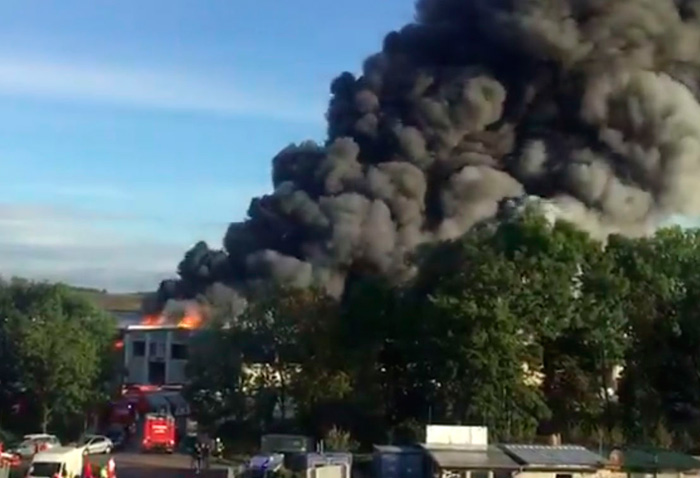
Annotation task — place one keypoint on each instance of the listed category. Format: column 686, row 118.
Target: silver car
column 96, row 444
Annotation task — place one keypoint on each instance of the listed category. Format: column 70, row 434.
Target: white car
column 95, row 444
column 35, row 442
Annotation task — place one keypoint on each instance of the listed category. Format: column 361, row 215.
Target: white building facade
column 155, row 355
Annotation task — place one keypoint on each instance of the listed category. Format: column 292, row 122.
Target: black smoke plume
column 588, row 107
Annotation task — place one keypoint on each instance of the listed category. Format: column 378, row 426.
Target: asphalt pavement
column 146, row 465
column 138, row 465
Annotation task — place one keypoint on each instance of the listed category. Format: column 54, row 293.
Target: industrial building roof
column 647, row 458
column 398, row 449
column 469, row 457
column 564, row 456
column 125, row 319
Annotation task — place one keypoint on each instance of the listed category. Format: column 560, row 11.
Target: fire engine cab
column 158, row 432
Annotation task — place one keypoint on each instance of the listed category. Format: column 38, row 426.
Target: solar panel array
column 488, row 458
column 564, row 455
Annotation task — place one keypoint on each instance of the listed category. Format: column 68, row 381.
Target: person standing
column 206, row 453
column 197, row 456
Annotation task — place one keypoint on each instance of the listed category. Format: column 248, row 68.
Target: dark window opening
column 178, row 352
column 156, row 373
column 45, row 469
column 139, row 348
column 563, row 475
column 479, row 474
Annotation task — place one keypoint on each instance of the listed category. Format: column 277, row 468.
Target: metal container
column 261, row 465
column 398, row 462
column 286, row 444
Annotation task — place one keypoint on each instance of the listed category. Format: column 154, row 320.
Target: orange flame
column 192, row 318
column 152, row 319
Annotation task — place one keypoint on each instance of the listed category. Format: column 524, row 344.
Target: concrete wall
column 157, row 346
column 332, row 471
column 177, row 371
column 522, row 474
column 556, row 474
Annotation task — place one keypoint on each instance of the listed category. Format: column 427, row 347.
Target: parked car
column 35, row 442
column 96, row 444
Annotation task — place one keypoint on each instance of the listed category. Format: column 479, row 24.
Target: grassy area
column 113, row 302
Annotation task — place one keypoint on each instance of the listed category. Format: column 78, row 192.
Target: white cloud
column 75, row 190
column 84, row 248
column 150, row 89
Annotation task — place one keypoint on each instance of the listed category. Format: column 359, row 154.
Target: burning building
column 156, row 350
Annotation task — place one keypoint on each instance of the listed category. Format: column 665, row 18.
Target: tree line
column 57, row 359
column 526, row 327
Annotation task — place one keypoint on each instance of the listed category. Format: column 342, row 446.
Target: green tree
column 479, row 345
column 659, row 386
column 214, row 370
column 10, row 385
column 60, row 343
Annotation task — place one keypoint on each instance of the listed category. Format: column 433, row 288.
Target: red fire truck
column 133, row 402
column 158, row 432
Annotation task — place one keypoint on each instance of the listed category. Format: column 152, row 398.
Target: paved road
column 138, row 465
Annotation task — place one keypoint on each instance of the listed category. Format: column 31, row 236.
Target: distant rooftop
column 126, row 319
column 647, row 458
column 139, row 327
column 564, row 456
column 398, row 449
column 470, row 457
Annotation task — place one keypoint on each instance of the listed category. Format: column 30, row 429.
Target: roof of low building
column 561, row 456
column 649, row 458
column 126, row 318
column 470, row 457
column 398, row 449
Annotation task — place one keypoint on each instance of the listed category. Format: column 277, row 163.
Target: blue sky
column 131, row 129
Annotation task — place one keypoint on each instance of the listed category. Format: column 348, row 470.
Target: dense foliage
column 55, row 356
column 519, row 326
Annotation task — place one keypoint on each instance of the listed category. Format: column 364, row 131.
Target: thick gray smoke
column 590, row 106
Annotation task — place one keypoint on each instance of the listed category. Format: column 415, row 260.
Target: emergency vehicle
column 158, row 432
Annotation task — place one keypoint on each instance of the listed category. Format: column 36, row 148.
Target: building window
column 178, row 352
column 479, row 474
column 563, row 475
column 502, row 474
column 139, row 348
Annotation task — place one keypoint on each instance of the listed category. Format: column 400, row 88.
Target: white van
column 46, row 464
